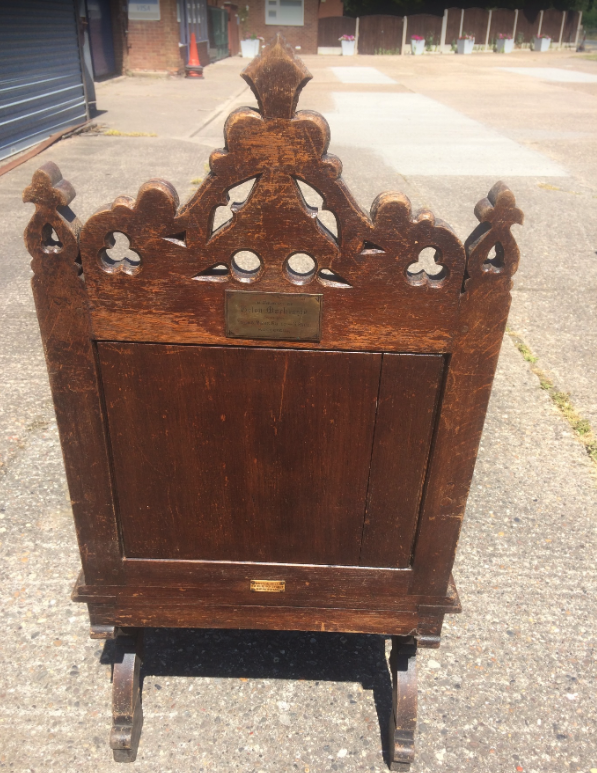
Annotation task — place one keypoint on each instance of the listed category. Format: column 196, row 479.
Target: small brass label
column 268, row 586
column 278, row 316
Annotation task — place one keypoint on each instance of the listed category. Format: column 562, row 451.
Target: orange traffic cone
column 193, row 68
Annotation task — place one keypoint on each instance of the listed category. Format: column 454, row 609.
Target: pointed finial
column 277, row 77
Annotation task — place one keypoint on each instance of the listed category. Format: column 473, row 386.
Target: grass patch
column 118, row 133
column 580, row 426
column 550, row 187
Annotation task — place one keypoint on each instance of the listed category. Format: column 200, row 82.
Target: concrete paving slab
column 420, row 136
column 360, row 75
column 168, row 106
column 553, row 74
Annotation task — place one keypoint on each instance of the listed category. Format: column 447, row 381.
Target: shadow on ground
column 226, row 654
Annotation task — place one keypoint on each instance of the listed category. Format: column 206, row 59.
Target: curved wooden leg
column 127, row 712
column 403, row 722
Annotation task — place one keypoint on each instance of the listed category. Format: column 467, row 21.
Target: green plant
column 561, row 400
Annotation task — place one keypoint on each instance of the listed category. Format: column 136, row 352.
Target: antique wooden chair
column 286, row 443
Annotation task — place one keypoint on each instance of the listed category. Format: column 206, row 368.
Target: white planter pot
column 541, row 44
column 505, row 45
column 465, row 46
column 417, row 47
column 347, row 47
column 249, row 48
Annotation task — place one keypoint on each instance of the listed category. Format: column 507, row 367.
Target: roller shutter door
column 41, row 84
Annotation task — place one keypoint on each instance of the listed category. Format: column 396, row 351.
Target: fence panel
column 527, row 26
column 502, row 23
column 331, row 28
column 570, row 27
column 475, row 24
column 383, row 34
column 453, row 26
column 426, row 25
column 380, row 33
column 552, row 24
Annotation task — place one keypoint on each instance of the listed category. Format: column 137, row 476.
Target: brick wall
column 329, row 8
column 153, row 45
column 305, row 36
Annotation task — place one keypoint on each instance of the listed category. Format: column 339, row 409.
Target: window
column 286, row 12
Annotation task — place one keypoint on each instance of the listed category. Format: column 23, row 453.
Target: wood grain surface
column 234, row 454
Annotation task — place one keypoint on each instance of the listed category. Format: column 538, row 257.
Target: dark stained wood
column 171, row 614
column 483, row 316
column 197, row 463
column 403, row 723
column 61, row 304
column 319, row 586
column 408, row 397
column 215, row 461
column 127, row 712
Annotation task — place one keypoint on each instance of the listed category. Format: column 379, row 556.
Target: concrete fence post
column 488, row 28
column 403, row 49
column 442, row 40
column 356, row 36
column 578, row 29
column 562, row 29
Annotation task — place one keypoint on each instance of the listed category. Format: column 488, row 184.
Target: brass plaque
column 268, row 586
column 279, row 316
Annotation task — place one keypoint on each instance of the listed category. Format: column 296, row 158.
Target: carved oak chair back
column 268, row 424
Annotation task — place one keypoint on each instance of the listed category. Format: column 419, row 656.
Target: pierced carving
column 217, row 273
column 329, row 278
column 428, row 269
column 301, row 268
column 404, row 237
column 53, row 229
column 274, row 193
column 491, row 249
column 118, row 256
column 179, row 239
column 223, row 214
column 246, row 266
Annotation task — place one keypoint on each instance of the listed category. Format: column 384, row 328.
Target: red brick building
column 154, row 45
column 295, row 19
column 127, row 38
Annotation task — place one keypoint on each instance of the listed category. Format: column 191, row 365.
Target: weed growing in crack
column 581, row 426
